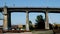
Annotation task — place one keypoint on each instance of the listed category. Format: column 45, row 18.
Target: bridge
column 6, row 11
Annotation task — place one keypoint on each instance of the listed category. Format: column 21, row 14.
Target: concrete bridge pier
column 46, row 20
column 7, row 19
column 27, row 21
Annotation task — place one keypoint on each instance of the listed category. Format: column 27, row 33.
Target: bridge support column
column 5, row 21
column 27, row 21
column 9, row 20
column 46, row 20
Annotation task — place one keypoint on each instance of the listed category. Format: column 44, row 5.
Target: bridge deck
column 31, row 9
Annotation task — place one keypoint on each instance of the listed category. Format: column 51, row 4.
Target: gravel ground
column 57, row 33
column 20, row 33
column 35, row 32
column 43, row 32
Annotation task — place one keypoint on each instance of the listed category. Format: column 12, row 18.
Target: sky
column 20, row 18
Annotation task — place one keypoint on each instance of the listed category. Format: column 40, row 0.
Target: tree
column 56, row 27
column 50, row 26
column 40, row 22
column 30, row 25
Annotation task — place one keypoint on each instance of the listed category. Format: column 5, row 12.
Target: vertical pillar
column 9, row 20
column 5, row 21
column 27, row 21
column 46, row 20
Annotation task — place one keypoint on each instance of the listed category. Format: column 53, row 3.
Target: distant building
column 20, row 26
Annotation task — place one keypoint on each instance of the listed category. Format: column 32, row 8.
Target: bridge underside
column 7, row 14
column 31, row 9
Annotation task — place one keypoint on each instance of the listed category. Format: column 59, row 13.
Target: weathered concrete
column 46, row 20
column 5, row 21
column 27, row 21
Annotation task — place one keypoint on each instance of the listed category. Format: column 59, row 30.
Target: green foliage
column 30, row 25
column 39, row 18
column 40, row 22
